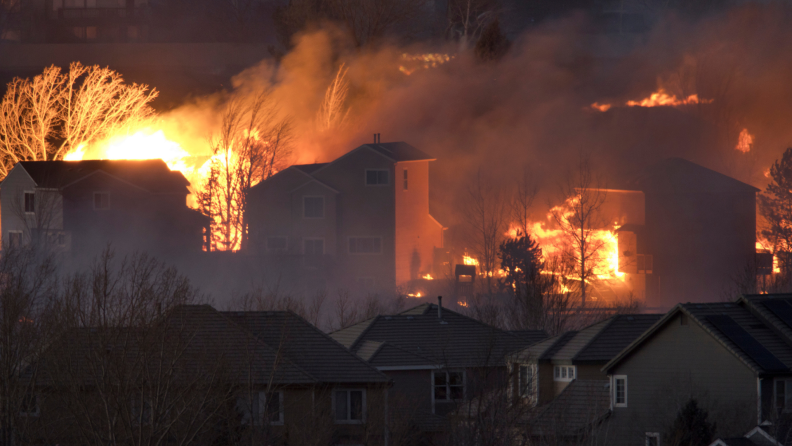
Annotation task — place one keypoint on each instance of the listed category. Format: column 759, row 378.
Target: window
column 14, row 239
column 620, row 391
column 526, row 384
column 783, row 395
column 313, row 207
column 652, row 439
column 101, row 200
column 261, row 407
column 405, row 179
column 564, row 373
column 365, row 245
column 350, row 406
column 29, row 406
column 449, row 386
column 30, row 202
column 376, row 177
column 277, row 244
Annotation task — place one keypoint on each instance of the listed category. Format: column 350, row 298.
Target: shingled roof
column 735, row 327
column 306, row 346
column 418, row 337
column 151, row 175
column 599, row 342
column 400, row 151
column 580, row 406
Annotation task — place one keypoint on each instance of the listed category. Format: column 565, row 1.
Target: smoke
column 531, row 109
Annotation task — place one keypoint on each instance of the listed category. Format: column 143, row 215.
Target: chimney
column 375, row 138
column 379, row 138
column 439, row 307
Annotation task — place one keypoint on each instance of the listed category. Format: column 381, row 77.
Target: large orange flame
column 660, row 98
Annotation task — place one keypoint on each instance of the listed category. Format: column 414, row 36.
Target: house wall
column 48, row 204
column 417, row 234
column 364, row 211
column 677, row 363
column 699, row 242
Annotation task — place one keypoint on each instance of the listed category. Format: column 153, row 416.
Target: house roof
column 677, row 175
column 151, row 175
column 735, row 327
column 309, row 168
column 418, row 335
column 306, row 346
column 581, row 405
column 400, row 151
column 598, row 342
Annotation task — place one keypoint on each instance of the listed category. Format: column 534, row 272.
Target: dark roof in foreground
column 599, row 342
column 735, row 327
column 306, row 346
column 417, row 337
column 309, row 168
column 580, row 406
column 151, row 175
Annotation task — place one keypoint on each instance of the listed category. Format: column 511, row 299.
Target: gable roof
column 399, row 151
column 307, row 346
column 678, row 175
column 309, row 168
column 151, row 175
column 731, row 324
column 580, row 406
column 417, row 337
column 598, row 342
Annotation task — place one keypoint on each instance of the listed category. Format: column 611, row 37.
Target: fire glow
column 744, row 141
column 660, row 98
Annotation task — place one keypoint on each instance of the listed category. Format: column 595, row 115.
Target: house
column 80, row 206
column 361, row 220
column 735, row 359
column 562, row 375
column 210, row 376
column 436, row 358
column 756, row 437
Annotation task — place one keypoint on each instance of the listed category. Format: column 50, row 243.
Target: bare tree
column 55, row 113
column 332, row 113
column 485, row 209
column 579, row 218
column 467, row 19
column 253, row 144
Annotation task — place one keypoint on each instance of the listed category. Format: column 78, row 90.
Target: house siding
column 679, row 362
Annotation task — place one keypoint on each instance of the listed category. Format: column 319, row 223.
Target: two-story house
column 735, row 359
column 361, row 220
column 437, row 360
column 80, row 206
column 204, row 377
column 562, row 375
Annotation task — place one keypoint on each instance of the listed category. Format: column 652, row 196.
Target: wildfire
column 425, row 61
column 467, row 260
column 462, row 303
column 744, row 142
column 427, row 277
column 657, row 99
column 415, row 295
column 765, row 246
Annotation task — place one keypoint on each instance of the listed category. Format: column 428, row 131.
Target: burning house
column 362, row 217
column 80, row 206
column 685, row 231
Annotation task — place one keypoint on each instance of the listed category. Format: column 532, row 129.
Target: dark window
column 30, row 202
column 365, row 245
column 349, row 405
column 273, row 401
column 313, row 207
column 525, row 380
column 313, row 247
column 652, row 439
column 376, row 177
column 620, row 391
column 449, row 386
column 101, row 200
column 405, row 179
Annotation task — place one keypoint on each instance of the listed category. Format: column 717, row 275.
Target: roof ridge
column 596, row 336
column 358, row 339
column 564, row 337
column 398, row 347
column 261, row 341
column 328, row 337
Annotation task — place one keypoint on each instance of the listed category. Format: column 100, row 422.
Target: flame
column 744, row 142
column 414, row 295
column 462, row 303
column 762, row 244
column 422, row 61
column 657, row 99
column 467, row 260
column 767, row 173
column 427, row 277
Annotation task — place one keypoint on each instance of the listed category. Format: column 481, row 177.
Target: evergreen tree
column 691, row 427
column 775, row 205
